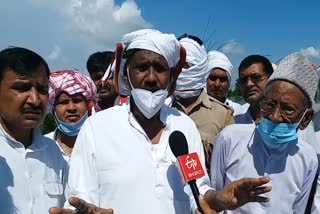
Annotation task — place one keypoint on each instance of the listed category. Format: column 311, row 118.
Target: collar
column 204, row 99
column 36, row 145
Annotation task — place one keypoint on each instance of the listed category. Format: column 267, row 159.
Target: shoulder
column 109, row 114
column 216, row 104
column 307, row 152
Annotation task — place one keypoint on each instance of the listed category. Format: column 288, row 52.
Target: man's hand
column 82, row 208
column 205, row 207
column 238, row 193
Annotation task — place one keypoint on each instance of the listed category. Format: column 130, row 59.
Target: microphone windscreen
column 178, row 143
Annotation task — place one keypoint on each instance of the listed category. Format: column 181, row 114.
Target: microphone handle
column 196, row 193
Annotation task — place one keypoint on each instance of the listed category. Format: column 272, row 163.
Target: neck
column 104, row 104
column 66, row 142
column 22, row 135
column 223, row 99
column 152, row 127
column 188, row 103
column 255, row 112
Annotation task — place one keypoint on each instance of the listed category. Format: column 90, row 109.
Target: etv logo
column 191, row 163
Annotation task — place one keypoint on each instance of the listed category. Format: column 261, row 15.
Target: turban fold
column 217, row 59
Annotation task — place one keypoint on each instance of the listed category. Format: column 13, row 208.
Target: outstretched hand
column 205, row 207
column 82, row 207
column 238, row 193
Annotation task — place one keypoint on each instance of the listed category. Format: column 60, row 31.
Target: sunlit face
column 252, row 83
column 105, row 89
column 218, row 84
column 149, row 71
column 70, row 108
column 23, row 99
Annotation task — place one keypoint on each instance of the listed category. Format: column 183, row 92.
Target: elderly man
column 209, row 115
column 129, row 166
column 32, row 168
column 273, row 148
column 219, row 79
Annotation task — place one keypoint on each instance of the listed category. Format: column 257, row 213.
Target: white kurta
column 115, row 165
column 31, row 180
column 240, row 152
column 237, row 108
column 52, row 135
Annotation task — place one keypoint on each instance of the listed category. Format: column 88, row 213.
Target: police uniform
column 210, row 117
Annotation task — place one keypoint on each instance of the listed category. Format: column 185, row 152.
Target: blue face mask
column 71, row 129
column 275, row 135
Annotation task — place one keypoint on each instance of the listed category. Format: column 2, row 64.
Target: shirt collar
column 204, row 99
column 37, row 140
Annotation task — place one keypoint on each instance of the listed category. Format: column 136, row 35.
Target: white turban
column 153, row 40
column 217, row 59
column 192, row 80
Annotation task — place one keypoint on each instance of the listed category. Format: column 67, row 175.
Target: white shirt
column 239, row 152
column 115, row 165
column 31, row 180
column 52, row 135
column 237, row 108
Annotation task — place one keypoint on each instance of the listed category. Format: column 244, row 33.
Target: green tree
column 49, row 124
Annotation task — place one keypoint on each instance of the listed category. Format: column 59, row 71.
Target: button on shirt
column 240, row 152
column 32, row 179
column 115, row 165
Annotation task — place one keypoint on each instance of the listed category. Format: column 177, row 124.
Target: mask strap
column 304, row 113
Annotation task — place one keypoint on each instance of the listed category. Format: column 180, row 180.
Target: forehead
column 145, row 55
column 285, row 92
column 218, row 72
column 65, row 95
column 255, row 68
column 38, row 75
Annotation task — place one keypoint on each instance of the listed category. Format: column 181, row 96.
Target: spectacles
column 255, row 78
column 287, row 111
column 197, row 39
column 221, row 79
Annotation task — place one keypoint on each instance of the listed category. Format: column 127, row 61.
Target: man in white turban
column 219, row 73
column 128, row 165
column 209, row 115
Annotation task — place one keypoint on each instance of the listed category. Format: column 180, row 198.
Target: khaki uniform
column 210, row 117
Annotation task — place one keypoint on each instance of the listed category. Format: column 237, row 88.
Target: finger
column 252, row 182
column 57, row 210
column 259, row 199
column 204, row 206
column 261, row 190
column 81, row 205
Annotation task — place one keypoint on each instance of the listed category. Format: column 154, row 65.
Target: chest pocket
column 53, row 183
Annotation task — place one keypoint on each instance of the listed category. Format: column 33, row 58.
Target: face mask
column 187, row 94
column 275, row 135
column 71, row 129
column 148, row 103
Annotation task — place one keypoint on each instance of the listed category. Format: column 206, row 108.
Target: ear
column 177, row 70
column 306, row 119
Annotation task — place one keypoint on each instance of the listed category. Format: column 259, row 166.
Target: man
column 219, row 79
column 32, row 168
column 70, row 93
column 209, row 115
column 273, row 148
column 97, row 66
column 129, row 166
column 254, row 72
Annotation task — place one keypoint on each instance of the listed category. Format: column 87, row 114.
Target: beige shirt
column 210, row 117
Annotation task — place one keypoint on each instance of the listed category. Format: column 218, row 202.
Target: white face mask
column 148, row 103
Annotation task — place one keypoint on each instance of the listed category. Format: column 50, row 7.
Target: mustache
column 32, row 110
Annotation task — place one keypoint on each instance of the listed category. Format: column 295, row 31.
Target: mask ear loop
column 304, row 113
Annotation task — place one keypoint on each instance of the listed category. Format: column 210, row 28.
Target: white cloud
column 55, row 53
column 232, row 47
column 311, row 52
column 102, row 21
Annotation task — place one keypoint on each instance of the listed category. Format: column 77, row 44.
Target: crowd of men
column 110, row 151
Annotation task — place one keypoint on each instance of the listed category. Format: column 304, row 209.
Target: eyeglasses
column 287, row 111
column 214, row 78
column 197, row 39
column 254, row 78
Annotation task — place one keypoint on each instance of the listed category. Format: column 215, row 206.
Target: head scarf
column 71, row 82
column 147, row 39
column 192, row 80
column 217, row 59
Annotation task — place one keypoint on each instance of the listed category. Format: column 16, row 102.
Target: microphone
column 189, row 165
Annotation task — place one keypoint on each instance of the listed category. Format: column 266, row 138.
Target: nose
column 33, row 98
column 217, row 83
column 71, row 107
column 151, row 77
column 276, row 115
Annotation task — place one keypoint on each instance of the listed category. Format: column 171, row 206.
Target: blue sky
column 66, row 32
